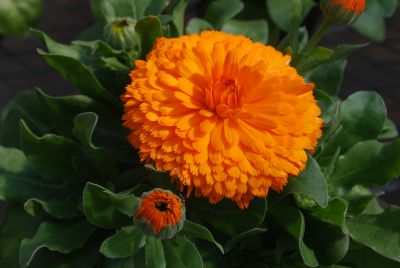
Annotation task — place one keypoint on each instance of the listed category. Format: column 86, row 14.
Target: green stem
column 313, row 42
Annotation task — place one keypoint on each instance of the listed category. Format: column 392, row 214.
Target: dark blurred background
column 375, row 67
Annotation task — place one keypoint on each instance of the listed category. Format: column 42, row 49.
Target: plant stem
column 313, row 42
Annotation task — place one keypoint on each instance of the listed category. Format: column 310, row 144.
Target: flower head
column 342, row 11
column 225, row 116
column 160, row 213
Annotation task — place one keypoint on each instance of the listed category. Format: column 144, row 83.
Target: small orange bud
column 342, row 11
column 159, row 213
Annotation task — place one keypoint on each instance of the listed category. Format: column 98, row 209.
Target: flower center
column 162, row 206
column 224, row 97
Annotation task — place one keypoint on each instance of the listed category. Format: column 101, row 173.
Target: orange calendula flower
column 342, row 11
column 225, row 116
column 160, row 213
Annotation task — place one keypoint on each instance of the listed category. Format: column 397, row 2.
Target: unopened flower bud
column 342, row 11
column 120, row 33
column 159, row 213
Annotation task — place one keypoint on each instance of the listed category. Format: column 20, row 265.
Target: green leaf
column 238, row 238
column 147, row 30
column 310, row 182
column 19, row 182
column 16, row 17
column 155, row 253
column 364, row 257
column 80, row 76
column 50, row 154
column 334, row 213
column 27, row 106
column 61, row 237
column 178, row 15
column 85, row 124
column 227, row 217
column 107, row 10
column 13, row 229
column 292, row 221
column 359, row 198
column 194, row 230
column 329, row 243
column 329, row 77
column 58, row 209
column 135, row 261
column 106, row 209
column 368, row 163
column 362, row 117
column 220, row 11
column 109, row 132
column 87, row 256
column 256, row 30
column 379, row 232
column 196, row 26
column 389, row 130
column 180, row 252
column 124, row 243
column 371, row 23
column 285, row 15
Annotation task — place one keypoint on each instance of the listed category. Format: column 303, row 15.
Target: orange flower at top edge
column 225, row 116
column 342, row 11
column 160, row 213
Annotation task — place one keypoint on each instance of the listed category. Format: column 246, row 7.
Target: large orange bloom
column 351, row 5
column 225, row 116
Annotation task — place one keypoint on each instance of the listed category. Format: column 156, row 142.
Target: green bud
column 120, row 33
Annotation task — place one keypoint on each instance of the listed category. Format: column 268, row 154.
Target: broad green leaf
column 13, row 229
column 220, row 11
column 106, row 209
column 107, row 10
column 364, row 257
column 109, row 132
column 194, row 230
column 61, row 237
column 16, row 17
column 136, row 261
column 238, row 238
column 180, row 252
column 19, row 182
column 358, row 199
column 124, row 243
column 178, row 15
column 227, row 217
column 80, row 76
column 60, row 209
column 155, row 253
column 27, row 106
column 285, row 15
column 389, row 130
column 293, row 222
column 334, row 213
column 50, row 154
column 196, row 26
column 329, row 243
column 310, row 182
column 87, row 256
column 314, row 60
column 372, row 21
column 85, row 124
column 362, row 117
column 368, row 163
column 329, row 77
column 379, row 232
column 148, row 29
column 256, row 30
